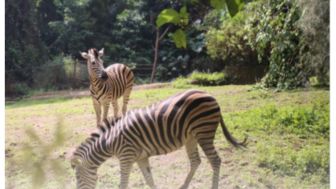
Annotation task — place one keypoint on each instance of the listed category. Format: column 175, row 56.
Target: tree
column 314, row 23
column 24, row 50
column 178, row 16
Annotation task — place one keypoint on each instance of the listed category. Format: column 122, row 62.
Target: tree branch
column 164, row 33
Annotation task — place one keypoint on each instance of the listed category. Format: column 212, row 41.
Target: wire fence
column 64, row 74
column 139, row 70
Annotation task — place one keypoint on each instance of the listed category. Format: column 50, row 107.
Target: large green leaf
column 234, row 6
column 167, row 16
column 180, row 39
column 218, row 4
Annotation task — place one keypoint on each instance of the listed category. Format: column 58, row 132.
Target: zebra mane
column 108, row 123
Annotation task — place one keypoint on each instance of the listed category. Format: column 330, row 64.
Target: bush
column 314, row 23
column 181, row 83
column 208, row 79
column 275, row 35
column 229, row 43
column 20, row 89
column 55, row 74
column 199, row 78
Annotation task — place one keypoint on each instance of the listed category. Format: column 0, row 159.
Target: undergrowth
column 291, row 140
column 200, row 78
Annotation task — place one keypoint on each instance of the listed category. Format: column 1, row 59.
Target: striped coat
column 107, row 85
column 187, row 119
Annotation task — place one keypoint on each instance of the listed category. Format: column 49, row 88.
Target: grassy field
column 288, row 141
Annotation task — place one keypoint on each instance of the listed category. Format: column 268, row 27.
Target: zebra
column 107, row 85
column 188, row 119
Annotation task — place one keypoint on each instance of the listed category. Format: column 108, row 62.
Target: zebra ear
column 101, row 52
column 84, row 55
column 75, row 162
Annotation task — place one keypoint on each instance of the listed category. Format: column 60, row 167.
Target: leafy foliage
column 167, row 16
column 179, row 38
column 39, row 160
column 314, row 23
column 228, row 42
column 199, row 78
column 278, row 41
column 181, row 18
column 290, row 39
column 268, row 32
column 208, row 79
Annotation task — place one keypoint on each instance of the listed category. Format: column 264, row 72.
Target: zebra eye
column 93, row 62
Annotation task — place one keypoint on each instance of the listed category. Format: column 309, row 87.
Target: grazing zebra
column 107, row 85
column 189, row 118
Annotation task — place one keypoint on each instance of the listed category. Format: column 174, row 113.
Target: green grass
column 288, row 140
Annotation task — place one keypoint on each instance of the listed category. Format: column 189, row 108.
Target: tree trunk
column 156, row 50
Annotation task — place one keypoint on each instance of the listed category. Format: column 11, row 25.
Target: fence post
column 74, row 73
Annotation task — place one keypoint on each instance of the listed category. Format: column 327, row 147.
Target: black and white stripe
column 107, row 85
column 187, row 119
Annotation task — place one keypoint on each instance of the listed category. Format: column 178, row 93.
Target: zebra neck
column 97, row 148
column 96, row 83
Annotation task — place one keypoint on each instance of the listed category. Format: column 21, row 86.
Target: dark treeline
column 272, row 37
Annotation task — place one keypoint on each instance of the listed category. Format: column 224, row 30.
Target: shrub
column 20, row 89
column 208, row 79
column 314, row 23
column 181, row 83
column 228, row 42
column 56, row 74
column 200, row 78
column 275, row 35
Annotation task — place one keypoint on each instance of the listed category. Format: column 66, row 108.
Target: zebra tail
column 230, row 138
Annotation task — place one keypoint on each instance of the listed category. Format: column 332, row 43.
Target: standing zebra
column 189, row 118
column 107, row 85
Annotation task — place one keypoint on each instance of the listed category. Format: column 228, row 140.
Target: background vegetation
column 282, row 41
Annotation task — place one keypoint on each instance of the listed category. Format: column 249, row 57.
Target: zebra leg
column 97, row 109
column 195, row 161
column 115, row 107
column 106, row 107
column 126, row 99
column 125, row 169
column 215, row 161
column 146, row 171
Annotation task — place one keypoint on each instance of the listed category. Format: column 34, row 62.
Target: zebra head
column 95, row 63
column 86, row 176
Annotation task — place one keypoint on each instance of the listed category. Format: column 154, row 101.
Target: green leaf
column 184, row 16
column 217, row 4
column 167, row 16
column 179, row 37
column 234, row 6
